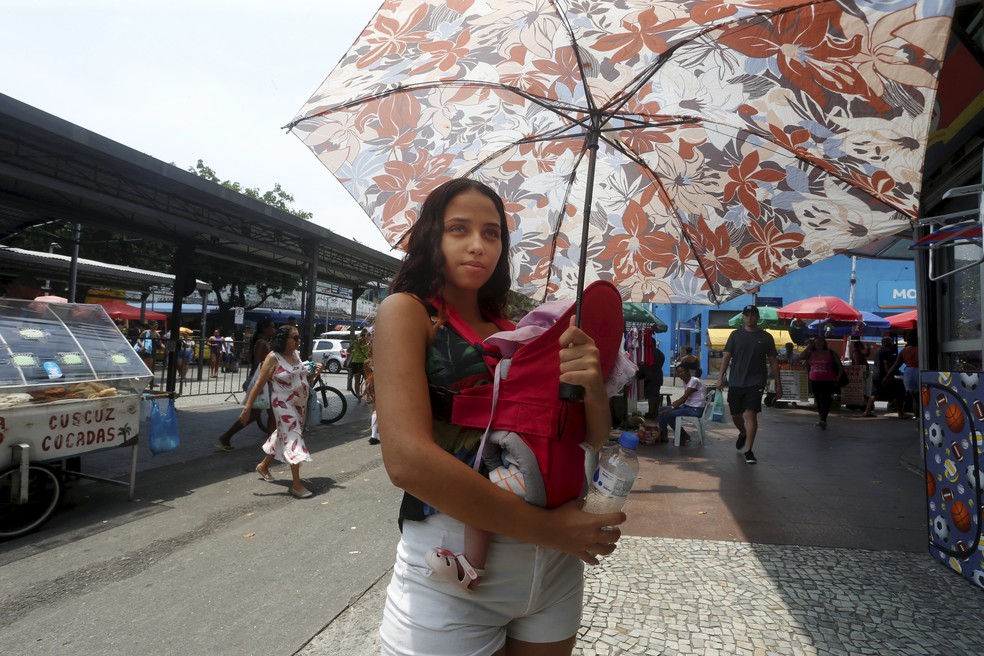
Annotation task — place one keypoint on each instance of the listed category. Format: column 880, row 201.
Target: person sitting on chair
column 691, row 404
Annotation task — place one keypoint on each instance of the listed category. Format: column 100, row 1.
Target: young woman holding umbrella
column 530, row 599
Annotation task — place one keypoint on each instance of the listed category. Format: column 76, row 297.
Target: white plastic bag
column 262, row 401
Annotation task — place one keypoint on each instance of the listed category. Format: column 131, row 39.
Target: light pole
column 51, row 249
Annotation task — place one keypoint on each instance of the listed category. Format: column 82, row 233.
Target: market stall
column 70, row 384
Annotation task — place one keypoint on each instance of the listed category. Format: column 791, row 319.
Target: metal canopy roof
column 53, row 169
column 90, row 272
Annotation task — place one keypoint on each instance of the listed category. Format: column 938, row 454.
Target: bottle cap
column 629, row 440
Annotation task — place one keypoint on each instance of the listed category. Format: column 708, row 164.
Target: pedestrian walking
column 880, row 389
column 259, row 348
column 359, row 353
column 908, row 356
column 290, row 388
column 824, row 368
column 148, row 343
column 749, row 352
column 215, row 345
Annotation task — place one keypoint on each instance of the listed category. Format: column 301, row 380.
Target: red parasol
column 121, row 310
column 903, row 320
column 829, row 308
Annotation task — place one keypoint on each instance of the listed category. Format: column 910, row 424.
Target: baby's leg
column 476, row 549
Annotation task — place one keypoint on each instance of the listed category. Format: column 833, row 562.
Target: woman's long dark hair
column 278, row 342
column 422, row 270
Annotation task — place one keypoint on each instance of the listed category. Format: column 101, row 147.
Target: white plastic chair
column 698, row 422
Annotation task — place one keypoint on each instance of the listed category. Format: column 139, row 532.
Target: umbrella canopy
column 768, row 318
column 638, row 313
column 51, row 299
column 122, row 310
column 829, row 308
column 687, row 151
column 903, row 320
column 871, row 325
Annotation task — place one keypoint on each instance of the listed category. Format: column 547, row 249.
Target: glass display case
column 70, row 383
column 54, row 351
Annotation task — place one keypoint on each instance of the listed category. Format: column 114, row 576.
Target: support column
column 308, row 327
column 73, row 271
column 184, row 284
column 204, row 334
column 356, row 295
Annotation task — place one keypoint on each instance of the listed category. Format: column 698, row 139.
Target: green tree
column 229, row 280
column 276, row 196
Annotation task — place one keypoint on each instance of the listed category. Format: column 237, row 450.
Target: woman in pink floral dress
column 290, row 385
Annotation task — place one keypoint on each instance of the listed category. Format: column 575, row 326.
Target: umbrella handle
column 568, row 392
column 574, row 393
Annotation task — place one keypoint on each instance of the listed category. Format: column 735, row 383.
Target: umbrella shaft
column 588, row 199
column 569, row 392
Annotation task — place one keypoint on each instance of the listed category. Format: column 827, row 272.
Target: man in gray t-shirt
column 747, row 351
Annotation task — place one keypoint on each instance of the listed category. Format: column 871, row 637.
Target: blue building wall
column 883, row 287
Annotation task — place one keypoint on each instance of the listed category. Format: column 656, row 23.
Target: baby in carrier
column 532, row 441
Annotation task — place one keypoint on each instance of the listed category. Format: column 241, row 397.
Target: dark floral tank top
column 452, row 363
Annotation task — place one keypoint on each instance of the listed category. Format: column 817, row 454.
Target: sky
column 186, row 80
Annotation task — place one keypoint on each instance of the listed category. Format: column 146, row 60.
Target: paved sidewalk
column 818, row 549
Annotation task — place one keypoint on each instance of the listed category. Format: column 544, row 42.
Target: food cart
column 70, row 384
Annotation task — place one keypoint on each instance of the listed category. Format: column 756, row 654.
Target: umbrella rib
column 560, row 211
column 617, row 102
column 576, row 49
column 701, row 262
column 564, row 111
column 807, row 158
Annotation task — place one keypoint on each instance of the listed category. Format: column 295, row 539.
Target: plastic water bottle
column 617, row 469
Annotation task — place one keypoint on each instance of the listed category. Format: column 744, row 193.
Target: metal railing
column 229, row 375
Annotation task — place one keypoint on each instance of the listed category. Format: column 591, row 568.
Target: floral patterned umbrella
column 686, row 150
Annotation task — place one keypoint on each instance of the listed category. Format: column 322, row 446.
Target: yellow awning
column 718, row 337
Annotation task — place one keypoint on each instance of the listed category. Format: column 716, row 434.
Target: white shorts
column 528, row 593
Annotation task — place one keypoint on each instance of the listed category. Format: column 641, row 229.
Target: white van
column 339, row 334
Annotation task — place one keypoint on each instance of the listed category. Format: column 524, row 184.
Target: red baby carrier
column 528, row 402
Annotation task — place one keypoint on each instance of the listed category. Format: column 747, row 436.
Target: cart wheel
column 21, row 515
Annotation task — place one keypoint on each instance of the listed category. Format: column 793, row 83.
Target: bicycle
column 333, row 403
